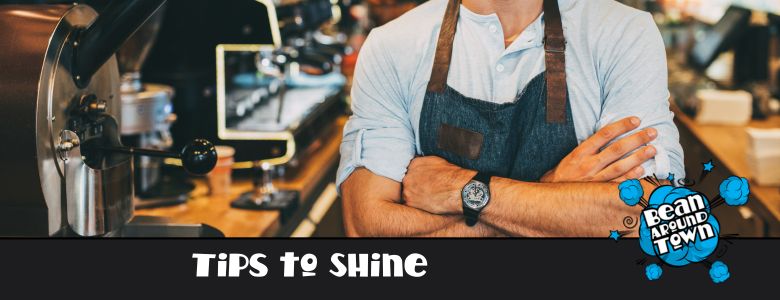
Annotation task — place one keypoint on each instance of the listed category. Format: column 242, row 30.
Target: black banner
column 510, row 268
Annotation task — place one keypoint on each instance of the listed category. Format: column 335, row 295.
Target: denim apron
column 521, row 140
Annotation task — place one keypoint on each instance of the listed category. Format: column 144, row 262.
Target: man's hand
column 432, row 184
column 588, row 163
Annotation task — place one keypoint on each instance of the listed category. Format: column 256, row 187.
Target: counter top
column 729, row 144
column 216, row 210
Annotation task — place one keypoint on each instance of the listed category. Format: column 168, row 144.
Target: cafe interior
column 223, row 118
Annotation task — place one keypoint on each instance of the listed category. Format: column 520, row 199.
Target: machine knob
column 199, row 157
column 68, row 141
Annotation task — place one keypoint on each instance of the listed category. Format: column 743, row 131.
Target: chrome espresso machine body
column 65, row 171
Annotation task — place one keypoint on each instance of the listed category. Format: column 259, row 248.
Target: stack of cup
column 763, row 155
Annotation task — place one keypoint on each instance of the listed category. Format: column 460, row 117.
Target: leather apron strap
column 441, row 60
column 555, row 60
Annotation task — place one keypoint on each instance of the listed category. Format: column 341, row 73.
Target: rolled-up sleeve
column 379, row 135
column 635, row 83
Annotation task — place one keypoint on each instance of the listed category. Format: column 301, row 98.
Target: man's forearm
column 433, row 184
column 460, row 229
column 396, row 220
column 372, row 208
column 556, row 209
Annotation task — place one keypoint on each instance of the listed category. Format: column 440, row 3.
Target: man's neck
column 515, row 16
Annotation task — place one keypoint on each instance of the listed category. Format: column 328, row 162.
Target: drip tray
column 159, row 227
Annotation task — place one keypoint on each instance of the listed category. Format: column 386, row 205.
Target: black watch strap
column 483, row 177
column 471, row 215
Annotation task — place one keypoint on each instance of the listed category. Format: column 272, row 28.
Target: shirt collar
column 467, row 13
column 531, row 37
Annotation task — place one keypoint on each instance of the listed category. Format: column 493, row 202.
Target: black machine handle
column 96, row 44
column 198, row 157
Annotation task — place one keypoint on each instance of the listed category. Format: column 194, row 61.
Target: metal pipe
column 96, row 44
column 142, row 152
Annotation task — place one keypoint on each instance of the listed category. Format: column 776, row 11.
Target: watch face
column 475, row 195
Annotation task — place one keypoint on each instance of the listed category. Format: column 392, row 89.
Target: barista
column 499, row 117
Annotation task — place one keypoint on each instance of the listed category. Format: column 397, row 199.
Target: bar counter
column 312, row 181
column 727, row 147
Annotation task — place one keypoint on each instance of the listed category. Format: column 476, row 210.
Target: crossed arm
column 372, row 207
column 577, row 198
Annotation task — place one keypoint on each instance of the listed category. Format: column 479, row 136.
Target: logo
column 676, row 226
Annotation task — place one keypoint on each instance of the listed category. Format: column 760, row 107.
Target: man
column 504, row 117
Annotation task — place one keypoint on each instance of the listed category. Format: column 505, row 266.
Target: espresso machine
column 275, row 80
column 287, row 93
column 65, row 171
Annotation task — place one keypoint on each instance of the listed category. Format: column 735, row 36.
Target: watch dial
column 475, row 195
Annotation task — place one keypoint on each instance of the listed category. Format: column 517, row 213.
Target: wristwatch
column 475, row 196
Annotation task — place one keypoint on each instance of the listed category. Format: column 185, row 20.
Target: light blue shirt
column 615, row 66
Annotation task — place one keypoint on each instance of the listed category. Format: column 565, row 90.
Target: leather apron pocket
column 463, row 142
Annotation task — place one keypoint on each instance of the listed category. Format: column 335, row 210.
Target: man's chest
column 480, row 72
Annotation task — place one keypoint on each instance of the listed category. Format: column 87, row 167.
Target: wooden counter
column 729, row 146
column 216, row 211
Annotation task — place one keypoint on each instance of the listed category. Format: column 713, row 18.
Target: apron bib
column 521, row 140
